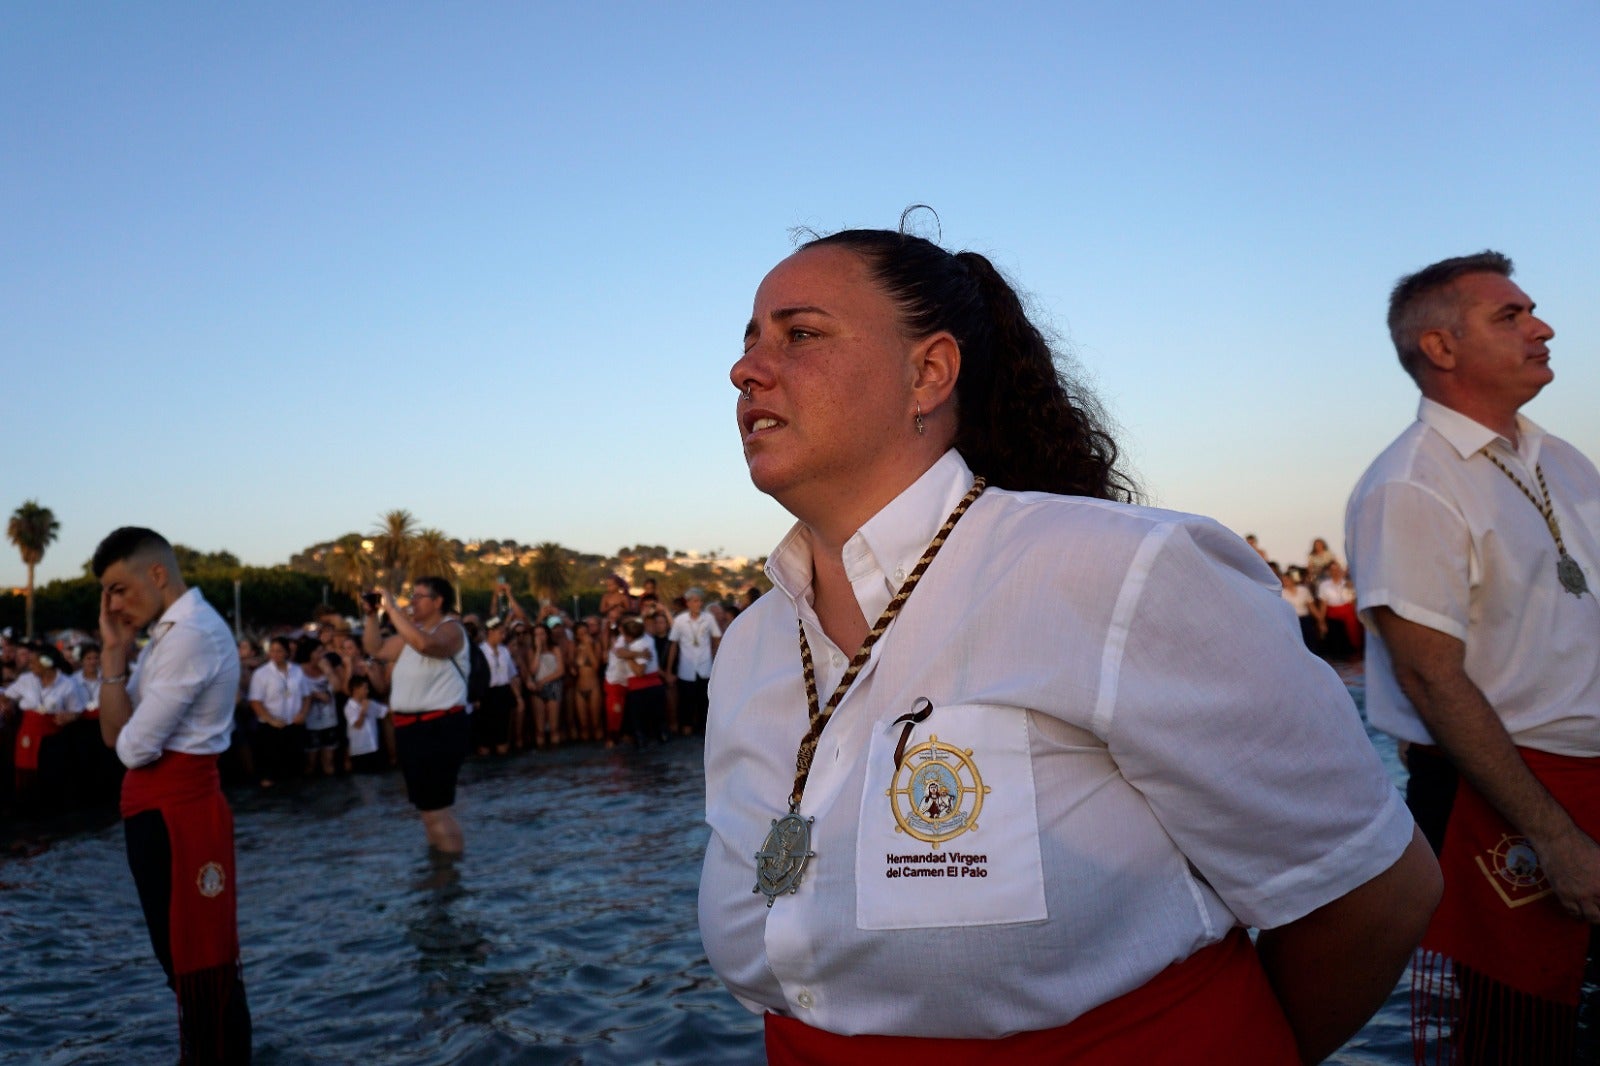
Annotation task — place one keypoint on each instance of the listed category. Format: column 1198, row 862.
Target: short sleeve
column 1409, row 552
column 258, row 684
column 1247, row 747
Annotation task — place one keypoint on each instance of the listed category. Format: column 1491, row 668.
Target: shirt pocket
column 950, row 836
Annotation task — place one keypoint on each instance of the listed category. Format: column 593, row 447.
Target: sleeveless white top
column 423, row 683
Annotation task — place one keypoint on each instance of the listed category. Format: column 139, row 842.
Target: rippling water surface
column 567, row 934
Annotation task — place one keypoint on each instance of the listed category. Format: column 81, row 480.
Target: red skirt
column 1215, row 1006
column 34, row 728
column 187, row 790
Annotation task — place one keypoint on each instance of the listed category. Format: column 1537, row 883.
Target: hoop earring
column 921, row 426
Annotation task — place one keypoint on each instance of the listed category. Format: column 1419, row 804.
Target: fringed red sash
column 1214, row 1006
column 1501, row 964
column 35, row 727
column 187, row 790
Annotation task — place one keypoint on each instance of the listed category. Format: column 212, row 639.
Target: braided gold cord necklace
column 1568, row 572
column 782, row 858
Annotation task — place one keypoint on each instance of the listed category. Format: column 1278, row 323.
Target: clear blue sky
column 267, row 271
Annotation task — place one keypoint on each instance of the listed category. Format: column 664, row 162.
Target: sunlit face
column 695, row 604
column 1501, row 354
column 426, row 604
column 830, row 376
column 349, row 649
column 133, row 591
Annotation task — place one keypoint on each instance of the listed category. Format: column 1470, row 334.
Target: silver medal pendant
column 1571, row 575
column 783, row 855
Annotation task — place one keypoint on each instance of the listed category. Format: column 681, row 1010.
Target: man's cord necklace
column 1568, row 572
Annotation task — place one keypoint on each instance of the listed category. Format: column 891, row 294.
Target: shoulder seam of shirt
column 1132, row 591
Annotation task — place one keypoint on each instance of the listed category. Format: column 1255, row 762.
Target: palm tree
column 31, row 529
column 551, row 570
column 432, row 555
column 392, row 540
column 348, row 565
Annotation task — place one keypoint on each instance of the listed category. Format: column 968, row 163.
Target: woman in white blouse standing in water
column 1027, row 813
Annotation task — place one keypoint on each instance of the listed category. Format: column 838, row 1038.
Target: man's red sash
column 187, row 790
column 1499, row 914
column 1500, row 969
column 1214, row 1006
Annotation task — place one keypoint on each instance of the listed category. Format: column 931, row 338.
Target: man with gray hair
column 1474, row 541
column 694, row 638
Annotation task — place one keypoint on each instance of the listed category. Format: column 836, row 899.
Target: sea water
column 567, row 933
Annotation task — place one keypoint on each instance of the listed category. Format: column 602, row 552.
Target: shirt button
column 899, row 574
column 804, row 1000
column 838, row 660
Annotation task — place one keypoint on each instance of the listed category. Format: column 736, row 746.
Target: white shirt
column 323, row 712
column 363, row 737
column 647, row 644
column 62, row 696
column 693, row 637
column 423, row 683
column 618, row 669
column 1334, row 593
column 1136, row 697
column 1442, row 538
column 1298, row 597
column 502, row 667
column 183, row 687
column 281, row 692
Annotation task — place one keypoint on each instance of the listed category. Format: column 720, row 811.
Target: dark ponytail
column 1021, row 422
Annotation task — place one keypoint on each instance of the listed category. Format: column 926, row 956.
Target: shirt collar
column 880, row 554
column 182, row 607
column 1469, row 437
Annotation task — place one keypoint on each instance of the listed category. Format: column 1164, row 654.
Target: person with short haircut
column 362, row 714
column 168, row 722
column 1474, row 541
column 1028, row 814
column 504, row 698
column 426, row 662
column 280, row 700
column 695, row 636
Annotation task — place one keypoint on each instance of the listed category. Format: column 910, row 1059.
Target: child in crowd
column 362, row 714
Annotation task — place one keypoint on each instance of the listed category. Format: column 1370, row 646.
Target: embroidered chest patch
column 937, row 792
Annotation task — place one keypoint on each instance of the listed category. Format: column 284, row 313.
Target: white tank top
column 423, row 683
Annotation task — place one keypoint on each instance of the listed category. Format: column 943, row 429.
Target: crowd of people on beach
column 1323, row 598
column 632, row 674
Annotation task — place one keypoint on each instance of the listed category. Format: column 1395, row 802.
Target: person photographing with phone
column 425, row 665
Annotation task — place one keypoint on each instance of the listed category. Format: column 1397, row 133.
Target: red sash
column 1214, row 1006
column 643, row 681
column 405, row 718
column 1499, row 915
column 35, row 726
column 615, row 695
column 187, row 791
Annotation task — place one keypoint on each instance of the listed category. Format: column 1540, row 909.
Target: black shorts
column 317, row 739
column 431, row 753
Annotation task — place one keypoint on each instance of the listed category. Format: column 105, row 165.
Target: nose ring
column 749, row 392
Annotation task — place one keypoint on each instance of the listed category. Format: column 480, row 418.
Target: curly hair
column 1021, row 422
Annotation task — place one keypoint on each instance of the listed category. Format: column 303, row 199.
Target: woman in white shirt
column 1067, row 772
